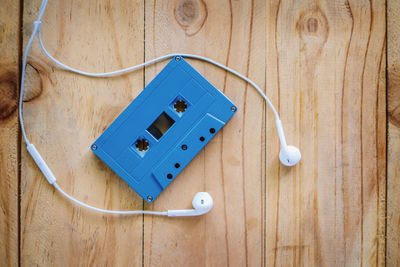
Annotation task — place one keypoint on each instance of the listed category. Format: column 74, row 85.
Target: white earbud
column 289, row 155
column 202, row 203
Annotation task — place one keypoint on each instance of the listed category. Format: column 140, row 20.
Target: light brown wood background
column 322, row 63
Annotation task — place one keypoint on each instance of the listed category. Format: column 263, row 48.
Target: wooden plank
column 393, row 166
column 64, row 114
column 327, row 74
column 231, row 167
column 322, row 64
column 9, row 139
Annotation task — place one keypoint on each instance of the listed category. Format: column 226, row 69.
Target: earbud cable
column 35, row 154
column 165, row 213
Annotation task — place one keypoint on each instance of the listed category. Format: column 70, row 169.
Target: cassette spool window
column 160, row 126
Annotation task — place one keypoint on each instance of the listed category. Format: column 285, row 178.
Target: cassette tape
column 163, row 128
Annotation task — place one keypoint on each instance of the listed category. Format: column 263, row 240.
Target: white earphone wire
column 164, row 213
column 158, row 59
column 36, row 31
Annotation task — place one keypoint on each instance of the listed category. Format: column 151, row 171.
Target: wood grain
column 325, row 71
column 63, row 118
column 9, row 134
column 323, row 65
column 393, row 166
column 230, row 168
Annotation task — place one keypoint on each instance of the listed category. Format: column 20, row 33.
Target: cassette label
column 163, row 128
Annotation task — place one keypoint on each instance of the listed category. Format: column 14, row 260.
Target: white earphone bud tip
column 290, row 155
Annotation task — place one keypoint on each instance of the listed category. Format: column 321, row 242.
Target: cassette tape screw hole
column 184, row 147
column 180, row 106
column 177, row 58
column 233, row 109
column 177, row 165
column 149, row 198
column 94, row 147
column 202, row 139
column 212, row 130
column 169, row 176
column 142, row 145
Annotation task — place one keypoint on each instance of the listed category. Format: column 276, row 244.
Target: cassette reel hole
column 180, row 106
column 142, row 145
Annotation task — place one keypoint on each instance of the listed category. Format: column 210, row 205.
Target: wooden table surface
column 332, row 69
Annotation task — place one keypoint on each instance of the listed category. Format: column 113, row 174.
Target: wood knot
column 191, row 15
column 8, row 94
column 313, row 26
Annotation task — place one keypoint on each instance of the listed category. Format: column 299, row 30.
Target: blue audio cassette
column 163, row 128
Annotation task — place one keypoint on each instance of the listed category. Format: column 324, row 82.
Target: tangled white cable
column 202, row 202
